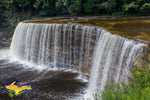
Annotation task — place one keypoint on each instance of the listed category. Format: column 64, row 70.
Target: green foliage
column 137, row 89
column 47, row 7
column 36, row 5
column 14, row 18
column 118, row 13
column 145, row 8
column 16, row 10
column 63, row 7
column 2, row 4
column 112, row 5
column 59, row 4
column 28, row 8
column 11, row 95
column 131, row 8
column 88, row 6
column 65, row 2
column 75, row 8
column 143, row 1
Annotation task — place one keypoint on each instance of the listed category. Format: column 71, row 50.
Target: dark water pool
column 46, row 84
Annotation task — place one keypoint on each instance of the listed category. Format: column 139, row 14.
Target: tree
column 88, row 6
column 100, row 6
column 62, row 6
column 145, row 9
column 112, row 5
column 75, row 8
column 131, row 8
column 47, row 6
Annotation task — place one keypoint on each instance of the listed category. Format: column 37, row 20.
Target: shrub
column 138, row 87
column 88, row 6
column 145, row 9
column 131, row 8
column 75, row 8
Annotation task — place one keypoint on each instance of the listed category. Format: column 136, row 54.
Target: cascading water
column 87, row 49
column 53, row 45
column 111, row 60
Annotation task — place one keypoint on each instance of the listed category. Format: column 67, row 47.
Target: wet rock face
column 5, row 32
column 6, row 35
column 4, row 22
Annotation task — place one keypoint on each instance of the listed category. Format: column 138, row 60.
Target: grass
column 138, row 87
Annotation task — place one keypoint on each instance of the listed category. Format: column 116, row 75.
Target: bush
column 88, row 6
column 131, row 8
column 145, row 9
column 117, row 13
column 75, row 8
column 137, row 89
column 112, row 5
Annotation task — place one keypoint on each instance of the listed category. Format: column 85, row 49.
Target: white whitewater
column 53, row 45
column 87, row 49
column 111, row 61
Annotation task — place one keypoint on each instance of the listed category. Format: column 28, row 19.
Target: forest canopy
column 25, row 9
column 77, row 7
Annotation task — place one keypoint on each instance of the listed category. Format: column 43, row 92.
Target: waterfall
column 87, row 49
column 111, row 61
column 54, row 45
